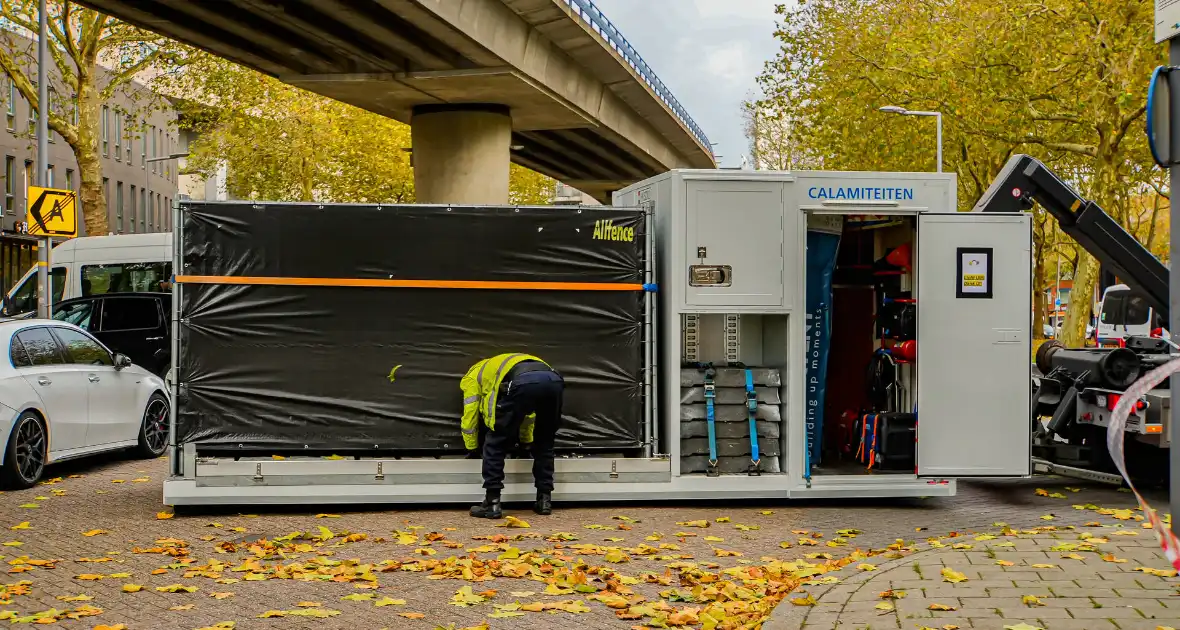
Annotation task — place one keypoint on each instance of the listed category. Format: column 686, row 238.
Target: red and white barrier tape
column 1114, row 441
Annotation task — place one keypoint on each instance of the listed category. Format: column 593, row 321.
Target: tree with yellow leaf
column 1061, row 80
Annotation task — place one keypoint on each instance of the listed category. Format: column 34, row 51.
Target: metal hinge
column 733, row 340
column 258, row 472
column 380, row 472
column 692, row 338
column 614, row 469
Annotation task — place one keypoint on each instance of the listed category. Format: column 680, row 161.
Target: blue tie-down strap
column 752, row 414
column 710, row 418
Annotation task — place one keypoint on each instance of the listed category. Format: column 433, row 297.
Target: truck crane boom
column 1025, row 180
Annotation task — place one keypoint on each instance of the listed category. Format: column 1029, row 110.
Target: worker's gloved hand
column 472, row 454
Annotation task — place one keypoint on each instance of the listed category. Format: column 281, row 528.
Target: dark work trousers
column 536, row 392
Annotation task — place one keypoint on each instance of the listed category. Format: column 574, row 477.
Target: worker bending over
column 518, row 396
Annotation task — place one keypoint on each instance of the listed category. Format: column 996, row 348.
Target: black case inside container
column 306, row 368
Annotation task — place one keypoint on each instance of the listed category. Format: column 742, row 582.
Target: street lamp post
column 894, row 109
column 148, row 179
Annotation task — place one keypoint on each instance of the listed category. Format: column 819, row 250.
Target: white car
column 65, row 395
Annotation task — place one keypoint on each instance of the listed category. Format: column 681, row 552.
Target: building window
column 118, row 138
column 11, row 104
column 52, row 100
column 142, row 149
column 130, row 136
column 70, row 178
column 32, row 114
column 143, row 200
column 9, row 165
column 143, row 221
column 49, row 176
column 155, row 147
column 30, row 176
column 106, row 131
column 119, row 209
column 106, row 194
column 131, row 203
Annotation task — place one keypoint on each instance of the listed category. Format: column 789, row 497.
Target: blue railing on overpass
column 586, row 10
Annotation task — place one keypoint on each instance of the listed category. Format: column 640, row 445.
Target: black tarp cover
column 308, row 367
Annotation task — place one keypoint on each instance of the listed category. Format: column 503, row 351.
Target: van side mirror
column 122, row 361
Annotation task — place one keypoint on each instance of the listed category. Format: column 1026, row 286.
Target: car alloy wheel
column 155, row 425
column 30, row 450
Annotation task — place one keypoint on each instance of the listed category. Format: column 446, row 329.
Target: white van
column 94, row 265
column 1125, row 313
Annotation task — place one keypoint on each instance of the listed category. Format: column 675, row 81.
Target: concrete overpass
column 548, row 84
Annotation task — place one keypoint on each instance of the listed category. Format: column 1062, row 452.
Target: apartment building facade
column 138, row 185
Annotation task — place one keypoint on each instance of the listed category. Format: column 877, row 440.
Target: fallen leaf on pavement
column 512, row 521
column 117, row 626
column 464, row 597
column 182, row 607
column 309, row 604
column 866, row 567
column 804, row 601
column 163, row 516
column 220, row 625
column 223, row 595
column 700, row 523
column 714, row 539
column 951, row 575
column 30, row 506
column 89, row 576
column 359, row 597
column 75, row 598
column 327, row 516
column 941, row 607
column 1043, row 566
column 412, row 615
column 1005, row 563
column 21, row 525
column 94, row 532
column 389, row 601
column 176, row 588
column 273, row 613
column 1023, row 626
column 886, row 606
column 1110, row 557
column 13, row 543
column 132, row 588
column 521, row 593
column 1031, row 600
column 1165, row 573
column 318, row 613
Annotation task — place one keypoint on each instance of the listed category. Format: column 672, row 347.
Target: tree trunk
column 94, row 203
column 1039, row 286
column 1077, row 314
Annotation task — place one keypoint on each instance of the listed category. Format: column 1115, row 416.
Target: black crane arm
column 1024, row 180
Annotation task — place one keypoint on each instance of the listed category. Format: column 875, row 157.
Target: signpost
column 51, row 213
column 1167, row 29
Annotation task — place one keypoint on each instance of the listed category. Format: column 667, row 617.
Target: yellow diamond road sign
column 52, row 212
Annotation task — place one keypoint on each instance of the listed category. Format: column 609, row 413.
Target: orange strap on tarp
column 411, row 284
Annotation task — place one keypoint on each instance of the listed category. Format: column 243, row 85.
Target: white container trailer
column 732, row 259
column 730, row 254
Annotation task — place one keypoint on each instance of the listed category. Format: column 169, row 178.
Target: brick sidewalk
column 1073, row 586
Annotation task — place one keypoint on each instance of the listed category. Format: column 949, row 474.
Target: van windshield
column 126, row 278
column 24, row 298
column 1125, row 308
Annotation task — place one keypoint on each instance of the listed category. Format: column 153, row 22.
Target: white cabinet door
column 739, row 226
column 974, row 278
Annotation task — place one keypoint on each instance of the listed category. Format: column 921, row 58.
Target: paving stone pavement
column 1114, row 579
column 122, row 498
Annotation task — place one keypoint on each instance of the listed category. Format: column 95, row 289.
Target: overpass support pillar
column 461, row 153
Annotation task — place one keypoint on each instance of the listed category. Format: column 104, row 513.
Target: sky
column 707, row 52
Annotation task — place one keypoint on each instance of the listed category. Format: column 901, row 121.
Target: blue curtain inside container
column 821, row 263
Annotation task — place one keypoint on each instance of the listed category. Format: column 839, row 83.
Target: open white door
column 974, row 276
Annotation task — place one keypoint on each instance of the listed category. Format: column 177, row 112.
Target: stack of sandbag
column 731, row 420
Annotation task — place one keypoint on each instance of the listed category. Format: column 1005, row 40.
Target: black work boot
column 490, row 508
column 544, row 504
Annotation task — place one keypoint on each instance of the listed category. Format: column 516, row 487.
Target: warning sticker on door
column 975, row 272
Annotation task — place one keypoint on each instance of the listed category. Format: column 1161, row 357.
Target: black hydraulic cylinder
column 1115, row 368
column 1066, row 413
